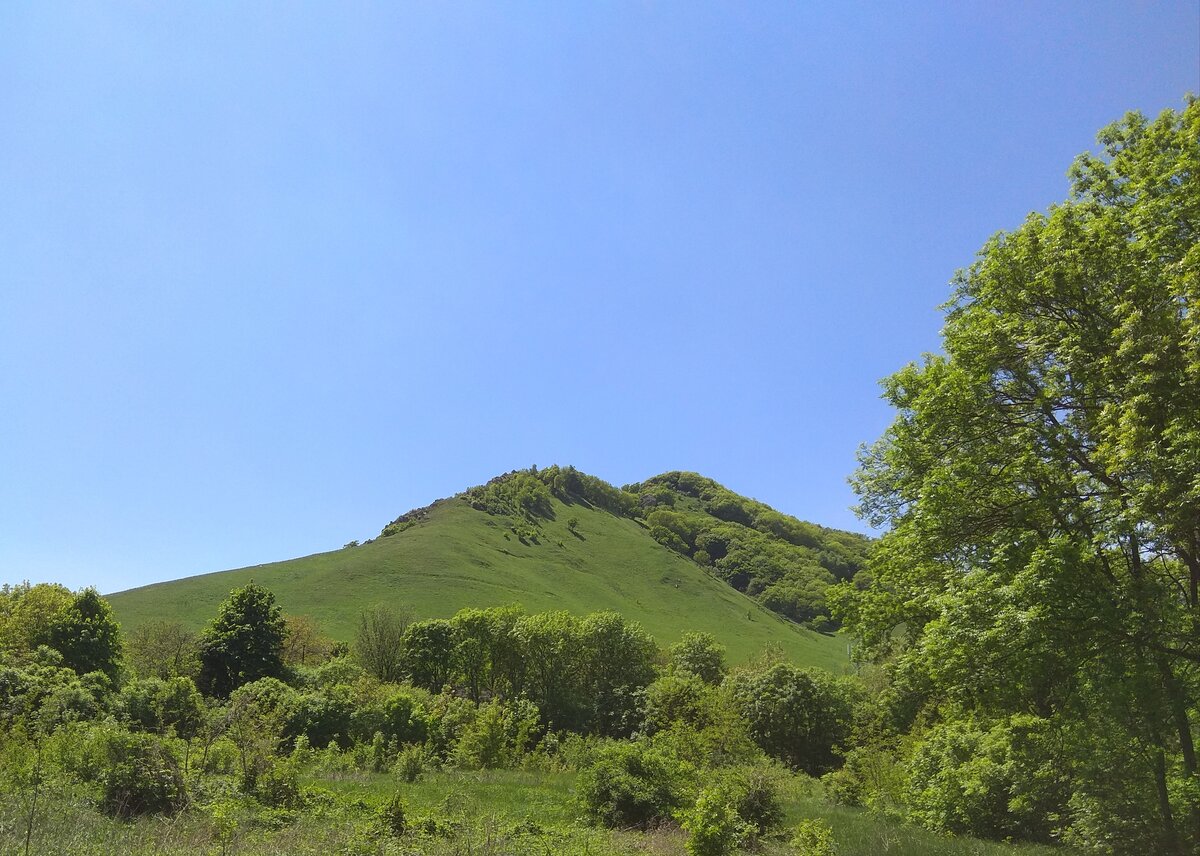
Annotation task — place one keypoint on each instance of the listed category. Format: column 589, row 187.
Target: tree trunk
column 1183, row 725
column 1170, row 832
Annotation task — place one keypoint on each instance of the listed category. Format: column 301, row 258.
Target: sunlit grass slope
column 459, row 557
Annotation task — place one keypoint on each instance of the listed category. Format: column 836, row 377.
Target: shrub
column 373, row 756
column 873, row 777
column 140, row 777
column 680, row 698
column 393, row 817
column 712, row 825
column 154, row 704
column 278, row 786
column 497, row 737
column 754, row 794
column 633, row 784
column 813, row 838
column 997, row 782
column 221, row 756
column 322, row 717
column 411, row 763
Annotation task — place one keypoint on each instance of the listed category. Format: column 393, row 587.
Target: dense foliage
column 243, row 643
column 1035, row 603
column 785, row 563
column 656, row 739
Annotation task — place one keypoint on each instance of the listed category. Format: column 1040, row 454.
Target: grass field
column 461, row 557
column 491, row 813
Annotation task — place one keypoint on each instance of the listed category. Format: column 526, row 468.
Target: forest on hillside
column 1027, row 628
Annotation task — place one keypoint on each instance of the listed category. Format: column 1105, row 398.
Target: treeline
column 154, row 723
column 784, row 563
column 582, row 674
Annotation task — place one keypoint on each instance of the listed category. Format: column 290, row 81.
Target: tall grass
column 491, row 813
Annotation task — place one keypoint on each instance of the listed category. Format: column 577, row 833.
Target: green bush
column 633, row 785
column 221, row 756
column 322, row 717
column 873, row 777
column 699, row 653
column 712, row 824
column 497, row 737
column 411, row 763
column 1002, row 781
column 140, row 777
column 278, row 786
column 154, row 704
column 813, row 838
column 754, row 794
column 393, row 816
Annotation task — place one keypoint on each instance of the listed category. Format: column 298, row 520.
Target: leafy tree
column 243, row 643
column 633, row 784
column 303, row 641
column 699, row 654
column 379, row 642
column 27, row 613
column 485, row 657
column 616, row 663
column 428, row 653
column 800, row 716
column 549, row 646
column 521, row 493
column 163, row 649
column 87, row 635
column 1039, row 487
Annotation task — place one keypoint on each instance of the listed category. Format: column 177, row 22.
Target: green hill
column 550, row 539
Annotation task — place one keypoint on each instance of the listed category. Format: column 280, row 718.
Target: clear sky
column 274, row 273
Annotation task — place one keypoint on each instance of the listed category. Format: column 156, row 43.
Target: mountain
column 677, row 553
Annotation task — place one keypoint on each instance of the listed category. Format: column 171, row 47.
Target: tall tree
column 428, row 648
column 243, row 643
column 1040, row 487
column 27, row 612
column 163, row 649
column 87, row 635
column 379, row 642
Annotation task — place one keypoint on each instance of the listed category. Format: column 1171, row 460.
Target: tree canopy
column 1041, row 490
column 243, row 643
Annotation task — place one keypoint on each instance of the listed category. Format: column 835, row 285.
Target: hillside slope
column 453, row 555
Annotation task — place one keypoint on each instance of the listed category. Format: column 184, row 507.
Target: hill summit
column 676, row 552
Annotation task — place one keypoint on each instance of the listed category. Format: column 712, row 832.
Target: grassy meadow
column 452, row 813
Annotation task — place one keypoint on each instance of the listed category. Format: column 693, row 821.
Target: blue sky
column 274, row 273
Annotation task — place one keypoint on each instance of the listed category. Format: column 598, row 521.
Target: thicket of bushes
column 658, row 737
